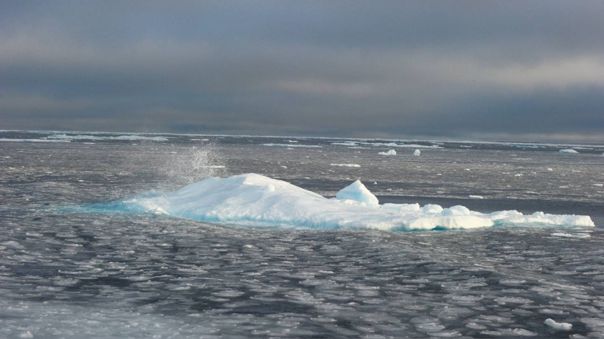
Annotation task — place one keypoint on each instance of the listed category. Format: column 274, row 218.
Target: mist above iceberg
column 253, row 199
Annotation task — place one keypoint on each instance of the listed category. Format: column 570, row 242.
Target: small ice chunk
column 570, row 235
column 558, row 326
column 357, row 192
column 388, row 152
column 345, row 165
column 521, row 332
column 474, row 196
column 26, row 334
column 13, row 244
column 417, row 153
column 568, row 151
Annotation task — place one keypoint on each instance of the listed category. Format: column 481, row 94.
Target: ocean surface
column 69, row 273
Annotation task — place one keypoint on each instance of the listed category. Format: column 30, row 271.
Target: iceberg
column 254, row 199
column 417, row 152
column 568, row 151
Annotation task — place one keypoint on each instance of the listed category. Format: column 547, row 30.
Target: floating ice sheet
column 126, row 137
column 253, row 199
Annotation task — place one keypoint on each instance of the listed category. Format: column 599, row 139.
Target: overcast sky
column 529, row 70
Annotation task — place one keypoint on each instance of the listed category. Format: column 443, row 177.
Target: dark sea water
column 99, row 275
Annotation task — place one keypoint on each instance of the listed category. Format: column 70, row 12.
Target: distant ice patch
column 393, row 144
column 292, row 145
column 568, row 151
column 253, row 199
column 345, row 165
column 417, row 153
column 388, row 152
column 126, row 137
column 345, row 143
column 475, row 196
column 30, row 140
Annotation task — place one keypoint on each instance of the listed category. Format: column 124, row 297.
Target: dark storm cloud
column 386, row 68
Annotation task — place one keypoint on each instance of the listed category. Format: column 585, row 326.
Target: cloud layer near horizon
column 383, row 68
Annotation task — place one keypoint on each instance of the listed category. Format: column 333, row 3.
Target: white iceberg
column 417, row 153
column 388, row 152
column 568, row 151
column 253, row 199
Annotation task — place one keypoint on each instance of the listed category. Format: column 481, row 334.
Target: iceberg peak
column 358, row 192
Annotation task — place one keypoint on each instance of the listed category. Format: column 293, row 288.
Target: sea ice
column 345, row 143
column 417, row 152
column 127, row 137
column 253, row 199
column 559, row 326
column 345, row 165
column 30, row 140
column 292, row 146
column 388, row 152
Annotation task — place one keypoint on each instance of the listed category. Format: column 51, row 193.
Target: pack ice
column 253, row 199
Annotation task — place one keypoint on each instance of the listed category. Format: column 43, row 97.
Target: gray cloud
column 385, row 68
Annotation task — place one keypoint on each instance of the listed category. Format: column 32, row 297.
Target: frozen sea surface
column 103, row 275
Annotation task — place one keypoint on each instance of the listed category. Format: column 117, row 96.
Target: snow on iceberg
column 253, row 199
column 357, row 192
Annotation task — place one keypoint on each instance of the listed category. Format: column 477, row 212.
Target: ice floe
column 292, row 145
column 568, row 151
column 475, row 196
column 253, row 199
column 345, row 165
column 417, row 152
column 30, row 140
column 559, row 326
column 388, row 152
column 127, row 137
